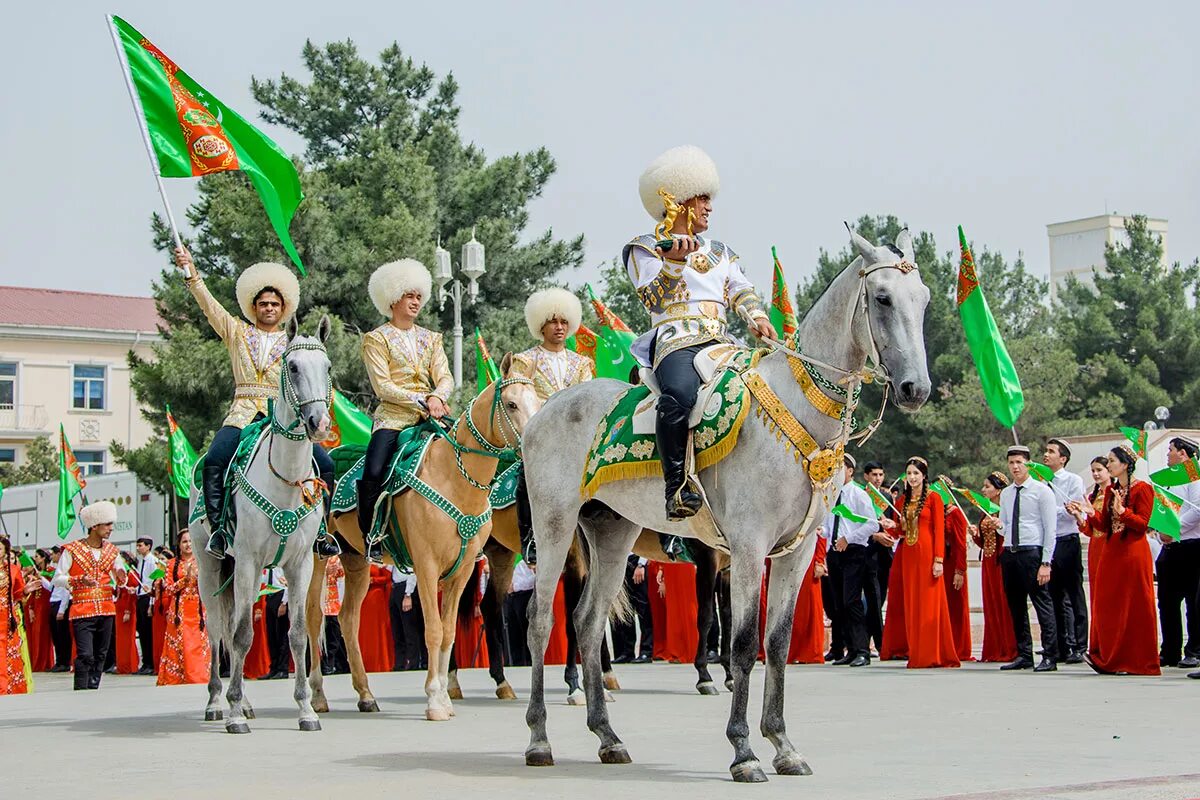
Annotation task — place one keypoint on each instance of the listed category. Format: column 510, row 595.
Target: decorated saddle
column 252, row 436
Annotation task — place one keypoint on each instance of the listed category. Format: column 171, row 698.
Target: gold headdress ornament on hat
column 920, row 460
column 1128, row 450
column 1000, row 476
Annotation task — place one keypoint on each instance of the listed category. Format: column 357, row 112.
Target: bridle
column 499, row 412
column 309, row 487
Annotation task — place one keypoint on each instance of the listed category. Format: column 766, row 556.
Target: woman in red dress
column 924, row 616
column 1095, row 543
column 125, row 628
column 999, row 641
column 677, row 638
column 808, row 625
column 955, row 581
column 375, row 626
column 37, row 613
column 258, row 659
column 12, row 589
column 1124, row 636
column 186, row 655
column 470, row 650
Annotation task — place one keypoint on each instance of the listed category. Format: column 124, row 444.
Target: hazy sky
column 1001, row 118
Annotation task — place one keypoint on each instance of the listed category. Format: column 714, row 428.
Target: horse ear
column 506, row 365
column 861, row 245
column 904, row 244
column 324, row 328
column 293, row 328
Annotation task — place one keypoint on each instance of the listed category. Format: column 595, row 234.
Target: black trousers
column 396, row 618
column 516, row 615
column 380, row 451
column 333, row 656
column 225, row 442
column 277, row 633
column 1066, row 592
column 60, row 633
column 93, row 640
column 857, row 569
column 677, row 377
column 145, row 630
column 624, row 633
column 1019, row 569
column 832, row 594
column 413, row 623
column 875, row 590
column 1178, row 570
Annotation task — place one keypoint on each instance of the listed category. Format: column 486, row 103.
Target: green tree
column 386, row 174
column 40, row 464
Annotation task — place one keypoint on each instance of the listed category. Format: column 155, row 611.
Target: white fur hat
column 685, row 172
column 395, row 279
column 545, row 305
column 98, row 514
column 259, row 276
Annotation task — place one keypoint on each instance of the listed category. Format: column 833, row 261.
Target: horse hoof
column 729, row 684
column 748, row 772
column 455, row 693
column 608, row 697
column 236, row 727
column 707, row 688
column 310, row 725
column 368, row 706
column 321, row 706
column 577, row 698
column 213, row 716
column 539, row 757
column 248, row 713
column 437, row 714
column 615, row 754
column 611, row 683
column 791, row 764
column 505, row 692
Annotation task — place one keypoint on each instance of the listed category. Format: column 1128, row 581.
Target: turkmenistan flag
column 191, row 133
column 783, row 313
column 979, row 501
column 486, row 370
column 1178, row 475
column 939, row 488
column 350, row 425
column 881, row 501
column 1137, row 438
column 614, row 360
column 1041, row 472
column 1001, row 386
column 584, row 342
column 24, row 560
column 182, row 460
column 845, row 513
column 70, row 483
column 1165, row 516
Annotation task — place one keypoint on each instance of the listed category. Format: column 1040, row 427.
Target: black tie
column 1016, row 531
column 837, row 521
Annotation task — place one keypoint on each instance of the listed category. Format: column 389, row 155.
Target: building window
column 88, row 391
column 90, row 461
column 8, row 455
column 8, row 385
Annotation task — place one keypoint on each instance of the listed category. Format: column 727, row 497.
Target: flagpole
column 141, row 120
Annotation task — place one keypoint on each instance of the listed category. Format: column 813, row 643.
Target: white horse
column 759, row 494
column 279, row 511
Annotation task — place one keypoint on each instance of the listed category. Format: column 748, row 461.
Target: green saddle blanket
column 411, row 445
column 247, row 444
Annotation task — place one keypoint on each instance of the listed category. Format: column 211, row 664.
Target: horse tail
column 622, row 607
column 578, row 558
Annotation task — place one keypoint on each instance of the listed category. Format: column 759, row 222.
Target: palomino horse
column 279, row 510
column 874, row 309
column 459, row 468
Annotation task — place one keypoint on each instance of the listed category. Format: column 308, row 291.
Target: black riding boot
column 368, row 494
column 525, row 523
column 214, row 496
column 326, row 546
column 671, row 432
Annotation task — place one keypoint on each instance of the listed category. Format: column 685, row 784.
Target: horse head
column 307, row 387
column 893, row 325
column 518, row 401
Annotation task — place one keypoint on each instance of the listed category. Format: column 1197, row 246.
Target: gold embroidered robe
column 537, row 363
column 403, row 375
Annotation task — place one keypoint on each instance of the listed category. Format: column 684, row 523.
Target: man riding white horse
column 687, row 283
column 409, row 372
column 268, row 295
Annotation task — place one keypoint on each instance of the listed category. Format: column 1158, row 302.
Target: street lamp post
column 472, row 266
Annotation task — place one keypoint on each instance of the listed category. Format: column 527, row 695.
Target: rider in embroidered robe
column 408, row 370
column 687, row 283
column 551, row 315
column 268, row 295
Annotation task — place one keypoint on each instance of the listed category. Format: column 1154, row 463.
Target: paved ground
column 879, row 732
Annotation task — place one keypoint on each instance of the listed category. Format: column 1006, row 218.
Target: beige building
column 64, row 359
column 1077, row 247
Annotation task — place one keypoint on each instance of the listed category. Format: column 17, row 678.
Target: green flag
column 182, row 459
column 157, row 575
column 979, row 501
column 840, row 510
column 350, row 424
column 1178, row 475
column 783, row 313
column 1137, row 438
column 939, row 488
column 878, row 499
column 613, row 359
column 1165, row 516
column 24, row 560
column 191, row 133
column 70, row 483
column 267, row 589
column 1001, row 386
column 1041, row 472
column 486, row 371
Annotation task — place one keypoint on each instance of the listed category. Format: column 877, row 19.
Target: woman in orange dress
column 37, row 612
column 1124, row 636
column 12, row 589
column 125, row 628
column 375, row 625
column 999, row 641
column 186, row 655
column 925, row 616
column 958, row 599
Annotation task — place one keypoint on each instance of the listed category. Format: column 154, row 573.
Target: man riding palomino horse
column 687, row 283
column 268, row 295
column 409, row 372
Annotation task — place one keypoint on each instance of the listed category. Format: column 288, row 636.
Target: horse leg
column 452, row 591
column 315, row 616
column 357, row 582
column 706, row 579
column 786, row 574
column 610, row 677
column 427, row 587
column 493, row 626
column 300, row 575
column 239, row 638
column 746, row 585
column 725, row 614
column 216, row 624
column 612, row 540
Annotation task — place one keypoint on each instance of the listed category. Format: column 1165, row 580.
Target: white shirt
column 406, row 577
column 1038, row 521
column 266, row 343
column 523, row 579
column 1189, row 515
column 1069, row 487
column 146, row 565
column 857, row 500
column 557, row 364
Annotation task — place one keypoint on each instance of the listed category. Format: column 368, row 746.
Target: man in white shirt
column 1066, row 581
column 146, row 564
column 1028, row 521
column 1178, row 570
column 60, row 626
column 408, row 629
